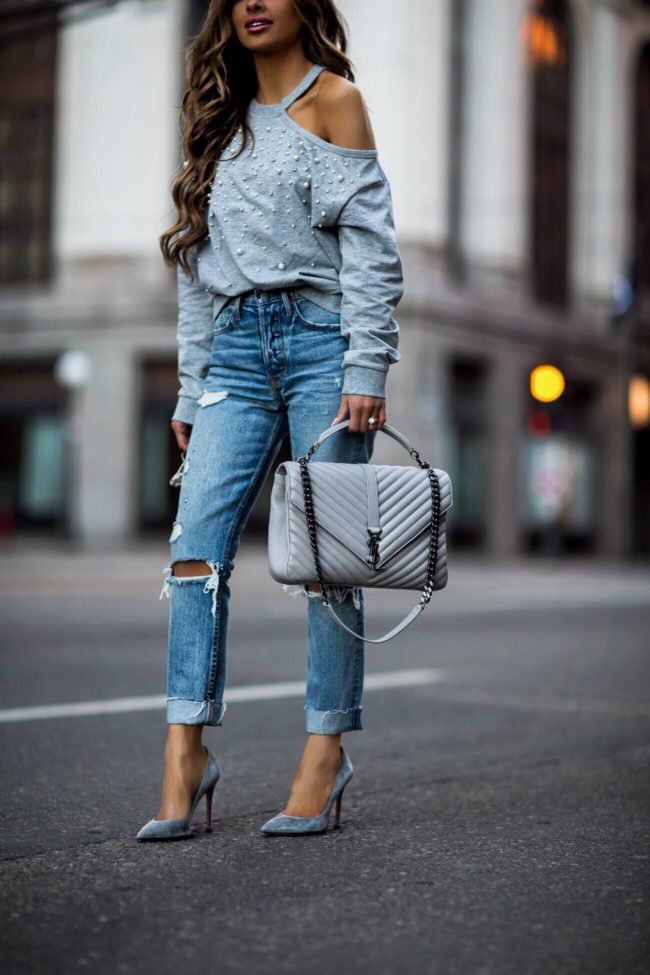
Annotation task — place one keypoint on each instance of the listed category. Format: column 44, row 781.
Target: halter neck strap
column 302, row 85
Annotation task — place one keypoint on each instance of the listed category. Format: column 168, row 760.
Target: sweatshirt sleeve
column 194, row 338
column 371, row 284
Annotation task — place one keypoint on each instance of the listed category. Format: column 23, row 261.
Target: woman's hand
column 182, row 432
column 361, row 408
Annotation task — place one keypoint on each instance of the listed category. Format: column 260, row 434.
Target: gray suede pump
column 177, row 829
column 283, row 825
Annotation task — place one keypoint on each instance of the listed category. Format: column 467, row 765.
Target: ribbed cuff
column 361, row 381
column 185, row 411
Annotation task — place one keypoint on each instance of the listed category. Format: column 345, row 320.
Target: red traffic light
column 539, row 423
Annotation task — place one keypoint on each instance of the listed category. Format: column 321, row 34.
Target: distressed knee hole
column 190, row 570
column 194, row 568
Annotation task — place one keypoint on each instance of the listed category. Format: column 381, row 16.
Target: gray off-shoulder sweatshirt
column 295, row 212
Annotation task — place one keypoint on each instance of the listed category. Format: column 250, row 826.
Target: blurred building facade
column 515, row 134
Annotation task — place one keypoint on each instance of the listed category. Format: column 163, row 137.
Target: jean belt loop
column 237, row 311
column 286, row 298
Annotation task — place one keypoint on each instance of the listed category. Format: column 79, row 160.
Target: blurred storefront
column 560, row 460
column 33, row 435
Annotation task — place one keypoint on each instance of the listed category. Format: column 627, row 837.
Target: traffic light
column 546, row 383
column 546, row 386
column 539, row 422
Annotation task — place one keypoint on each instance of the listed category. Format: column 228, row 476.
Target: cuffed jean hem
column 333, row 722
column 180, row 711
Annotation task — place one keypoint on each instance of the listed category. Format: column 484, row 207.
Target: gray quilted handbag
column 360, row 525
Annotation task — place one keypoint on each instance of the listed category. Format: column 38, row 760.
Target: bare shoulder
column 343, row 114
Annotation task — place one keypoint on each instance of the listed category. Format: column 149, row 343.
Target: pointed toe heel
column 179, row 829
column 283, row 825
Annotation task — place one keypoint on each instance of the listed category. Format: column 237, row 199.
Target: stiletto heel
column 337, row 812
column 283, row 825
column 208, row 809
column 177, row 829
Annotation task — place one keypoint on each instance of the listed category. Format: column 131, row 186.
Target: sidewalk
column 474, row 582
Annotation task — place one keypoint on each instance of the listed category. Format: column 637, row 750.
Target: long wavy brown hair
column 221, row 81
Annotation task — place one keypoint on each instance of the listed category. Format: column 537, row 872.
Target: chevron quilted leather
column 343, row 507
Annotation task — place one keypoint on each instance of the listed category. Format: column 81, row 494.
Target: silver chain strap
column 433, row 537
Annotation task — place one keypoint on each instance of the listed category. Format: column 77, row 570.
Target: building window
column 27, row 83
column 34, row 446
column 467, row 453
column 548, row 47
column 641, row 189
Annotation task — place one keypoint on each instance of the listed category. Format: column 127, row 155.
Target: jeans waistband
column 258, row 296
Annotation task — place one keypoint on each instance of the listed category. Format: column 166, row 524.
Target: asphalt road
column 497, row 821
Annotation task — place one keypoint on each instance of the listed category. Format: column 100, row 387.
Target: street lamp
column 638, row 402
column 72, row 370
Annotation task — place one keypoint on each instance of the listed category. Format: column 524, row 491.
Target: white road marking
column 250, row 692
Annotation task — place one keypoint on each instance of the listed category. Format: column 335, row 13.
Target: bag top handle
column 391, row 431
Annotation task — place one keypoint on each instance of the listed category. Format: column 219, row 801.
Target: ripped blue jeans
column 275, row 370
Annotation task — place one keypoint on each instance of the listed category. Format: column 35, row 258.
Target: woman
column 285, row 321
